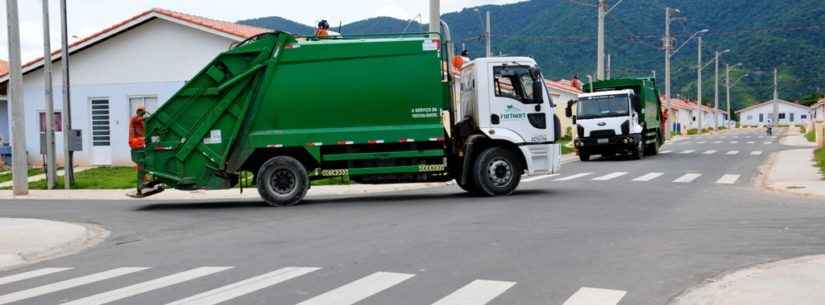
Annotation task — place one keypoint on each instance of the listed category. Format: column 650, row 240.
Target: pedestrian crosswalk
column 711, row 152
column 476, row 292
column 680, row 178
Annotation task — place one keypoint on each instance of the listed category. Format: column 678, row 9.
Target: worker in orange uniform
column 323, row 29
column 458, row 61
column 137, row 129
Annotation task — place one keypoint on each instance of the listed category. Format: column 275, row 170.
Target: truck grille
column 602, row 133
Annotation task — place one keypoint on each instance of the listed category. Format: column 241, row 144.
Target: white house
column 761, row 114
column 4, row 107
column 684, row 115
column 561, row 92
column 141, row 61
column 818, row 111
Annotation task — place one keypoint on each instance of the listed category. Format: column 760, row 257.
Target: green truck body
column 369, row 108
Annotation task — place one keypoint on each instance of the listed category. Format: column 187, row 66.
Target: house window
column 750, row 117
column 58, row 121
column 101, row 131
column 150, row 103
column 792, row 116
column 803, row 117
column 761, row 117
column 782, row 116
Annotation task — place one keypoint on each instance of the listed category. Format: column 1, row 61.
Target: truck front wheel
column 497, row 171
column 282, row 181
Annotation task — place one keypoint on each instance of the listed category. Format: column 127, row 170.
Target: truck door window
column 514, row 82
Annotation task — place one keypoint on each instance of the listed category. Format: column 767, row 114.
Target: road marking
column 751, row 142
column 595, row 296
column 756, row 153
column 610, row 176
column 648, row 177
column 687, row 178
column 67, row 284
column 768, row 143
column 717, row 142
column 687, row 152
column 728, row 179
column 479, row 292
column 537, row 178
column 576, row 176
column 734, row 142
column 31, row 274
column 129, row 291
column 359, row 290
column 733, row 152
column 665, row 152
column 701, row 142
column 710, row 152
column 231, row 291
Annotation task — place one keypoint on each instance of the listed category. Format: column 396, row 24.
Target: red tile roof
column 4, row 67
column 239, row 31
column 564, row 85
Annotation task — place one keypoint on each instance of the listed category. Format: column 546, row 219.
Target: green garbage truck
column 378, row 109
column 618, row 116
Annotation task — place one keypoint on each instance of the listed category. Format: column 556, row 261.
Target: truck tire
column 497, row 171
column 282, row 181
column 469, row 187
column 584, row 156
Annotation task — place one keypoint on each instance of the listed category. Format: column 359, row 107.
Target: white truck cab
column 507, row 99
column 607, row 124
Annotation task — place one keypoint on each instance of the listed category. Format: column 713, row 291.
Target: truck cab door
column 520, row 107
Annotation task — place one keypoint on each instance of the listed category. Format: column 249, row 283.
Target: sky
column 89, row 16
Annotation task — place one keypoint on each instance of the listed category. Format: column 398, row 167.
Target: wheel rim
column 500, row 172
column 283, row 181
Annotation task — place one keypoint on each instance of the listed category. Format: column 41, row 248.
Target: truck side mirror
column 573, row 118
column 538, row 86
column 568, row 112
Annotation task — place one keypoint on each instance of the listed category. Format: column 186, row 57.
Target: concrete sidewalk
column 799, row 281
column 794, row 171
column 26, row 241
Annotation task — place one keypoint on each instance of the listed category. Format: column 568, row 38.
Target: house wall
column 818, row 113
column 4, row 121
column 154, row 59
column 560, row 99
column 751, row 117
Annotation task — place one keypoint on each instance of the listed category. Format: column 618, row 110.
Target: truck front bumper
column 614, row 144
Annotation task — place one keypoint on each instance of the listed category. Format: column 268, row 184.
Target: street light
column 699, row 68
column 485, row 26
column 603, row 11
column 729, row 85
column 716, row 90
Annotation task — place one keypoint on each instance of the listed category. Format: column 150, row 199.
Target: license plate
column 603, row 141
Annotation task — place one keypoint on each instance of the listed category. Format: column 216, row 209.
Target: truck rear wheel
column 282, row 181
column 497, row 171
column 584, row 156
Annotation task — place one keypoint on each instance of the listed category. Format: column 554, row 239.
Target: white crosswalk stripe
column 687, row 178
column 701, row 142
column 648, row 177
column 717, row 142
column 751, row 142
column 129, row 291
column 359, row 290
column 595, row 296
column 734, row 142
column 610, row 176
column 29, row 275
column 768, row 143
column 573, row 177
column 67, row 284
column 733, row 153
column 537, row 178
column 479, row 292
column 231, row 291
column 756, row 153
column 665, row 152
column 728, row 179
column 687, row 152
column 710, row 152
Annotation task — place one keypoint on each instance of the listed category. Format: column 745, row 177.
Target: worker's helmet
column 323, row 24
column 140, row 111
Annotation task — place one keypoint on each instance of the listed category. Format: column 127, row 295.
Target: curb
column 93, row 235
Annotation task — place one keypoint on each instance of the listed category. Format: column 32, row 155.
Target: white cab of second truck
column 506, row 97
column 609, row 117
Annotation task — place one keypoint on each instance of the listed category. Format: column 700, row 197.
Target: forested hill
column 560, row 34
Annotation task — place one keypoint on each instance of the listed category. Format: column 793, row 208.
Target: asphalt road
column 637, row 242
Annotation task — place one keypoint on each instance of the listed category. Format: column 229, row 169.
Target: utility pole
column 716, row 91
column 488, row 47
column 699, row 85
column 435, row 17
column 68, row 164
column 602, row 7
column 609, row 67
column 727, row 92
column 51, row 163
column 775, row 97
column 20, row 166
column 668, row 43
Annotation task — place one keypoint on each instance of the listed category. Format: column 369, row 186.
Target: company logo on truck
column 513, row 113
column 425, row 112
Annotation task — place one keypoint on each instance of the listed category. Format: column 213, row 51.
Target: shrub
column 692, row 131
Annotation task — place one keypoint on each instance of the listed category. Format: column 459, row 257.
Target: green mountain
column 280, row 24
column 560, row 34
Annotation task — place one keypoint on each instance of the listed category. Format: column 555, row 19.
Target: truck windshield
column 603, row 106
